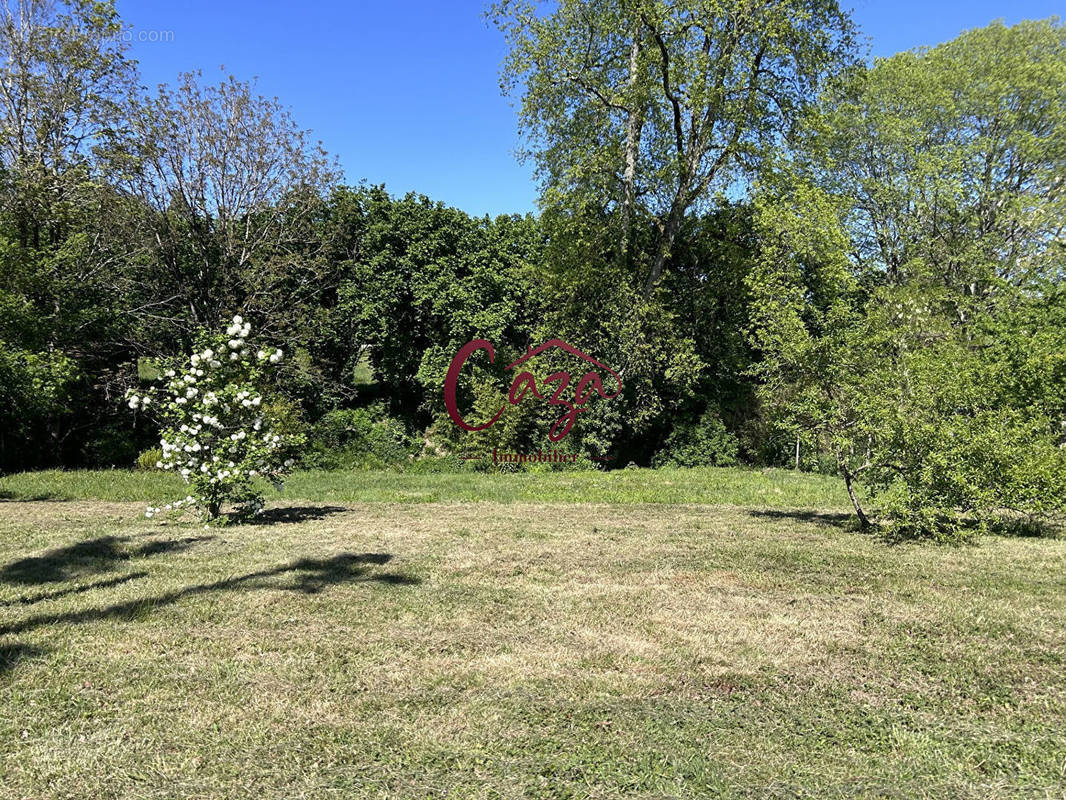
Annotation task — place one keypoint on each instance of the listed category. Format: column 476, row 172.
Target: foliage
column 770, row 242
column 705, row 443
column 909, row 282
column 651, row 107
column 363, row 438
column 150, row 459
column 219, row 431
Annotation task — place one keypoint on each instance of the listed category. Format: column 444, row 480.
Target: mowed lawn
column 705, row 633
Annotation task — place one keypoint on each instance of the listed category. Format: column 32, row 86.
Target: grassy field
column 699, row 634
column 772, row 487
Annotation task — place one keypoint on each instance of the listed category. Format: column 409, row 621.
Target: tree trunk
column 634, row 125
column 670, row 231
column 864, row 521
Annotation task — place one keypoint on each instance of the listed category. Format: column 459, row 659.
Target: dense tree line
column 790, row 257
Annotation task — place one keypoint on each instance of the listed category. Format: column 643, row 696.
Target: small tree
column 220, row 430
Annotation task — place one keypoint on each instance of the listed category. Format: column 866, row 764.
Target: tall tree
column 63, row 79
column 644, row 109
column 231, row 182
column 953, row 159
column 910, row 284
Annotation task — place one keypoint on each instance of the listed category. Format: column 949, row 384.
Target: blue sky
column 406, row 93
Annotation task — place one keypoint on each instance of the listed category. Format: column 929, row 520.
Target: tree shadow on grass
column 90, row 557
column 27, row 600
column 1023, row 526
column 34, row 497
column 276, row 516
column 310, row 576
column 831, row 519
column 12, row 654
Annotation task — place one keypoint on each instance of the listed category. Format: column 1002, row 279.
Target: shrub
column 363, row 438
column 150, row 459
column 221, row 430
column 111, row 444
column 706, row 443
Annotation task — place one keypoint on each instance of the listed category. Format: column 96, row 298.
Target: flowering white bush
column 219, row 432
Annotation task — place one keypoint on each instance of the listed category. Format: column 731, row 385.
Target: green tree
column 64, row 250
column 646, row 109
column 640, row 118
column 911, row 252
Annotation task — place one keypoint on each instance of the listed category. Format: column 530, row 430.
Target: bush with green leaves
column 704, row 443
column 362, row 438
column 221, row 429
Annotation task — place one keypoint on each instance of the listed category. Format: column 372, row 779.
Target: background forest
column 793, row 257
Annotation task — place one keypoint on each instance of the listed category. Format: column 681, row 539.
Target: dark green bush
column 705, row 443
column 363, row 438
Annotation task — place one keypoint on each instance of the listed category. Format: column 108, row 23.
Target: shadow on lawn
column 34, row 497
column 276, row 516
column 28, row 600
column 825, row 518
column 12, row 654
column 90, row 557
column 310, row 576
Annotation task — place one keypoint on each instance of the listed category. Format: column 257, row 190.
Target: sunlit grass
column 770, row 488
column 517, row 648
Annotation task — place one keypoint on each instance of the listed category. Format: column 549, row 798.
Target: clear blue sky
column 406, row 93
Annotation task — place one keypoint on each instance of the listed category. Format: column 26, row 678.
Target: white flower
column 195, row 359
column 208, row 354
column 135, row 401
column 261, row 355
column 233, row 356
column 238, row 320
column 234, row 344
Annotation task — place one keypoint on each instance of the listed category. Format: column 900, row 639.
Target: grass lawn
column 706, row 633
